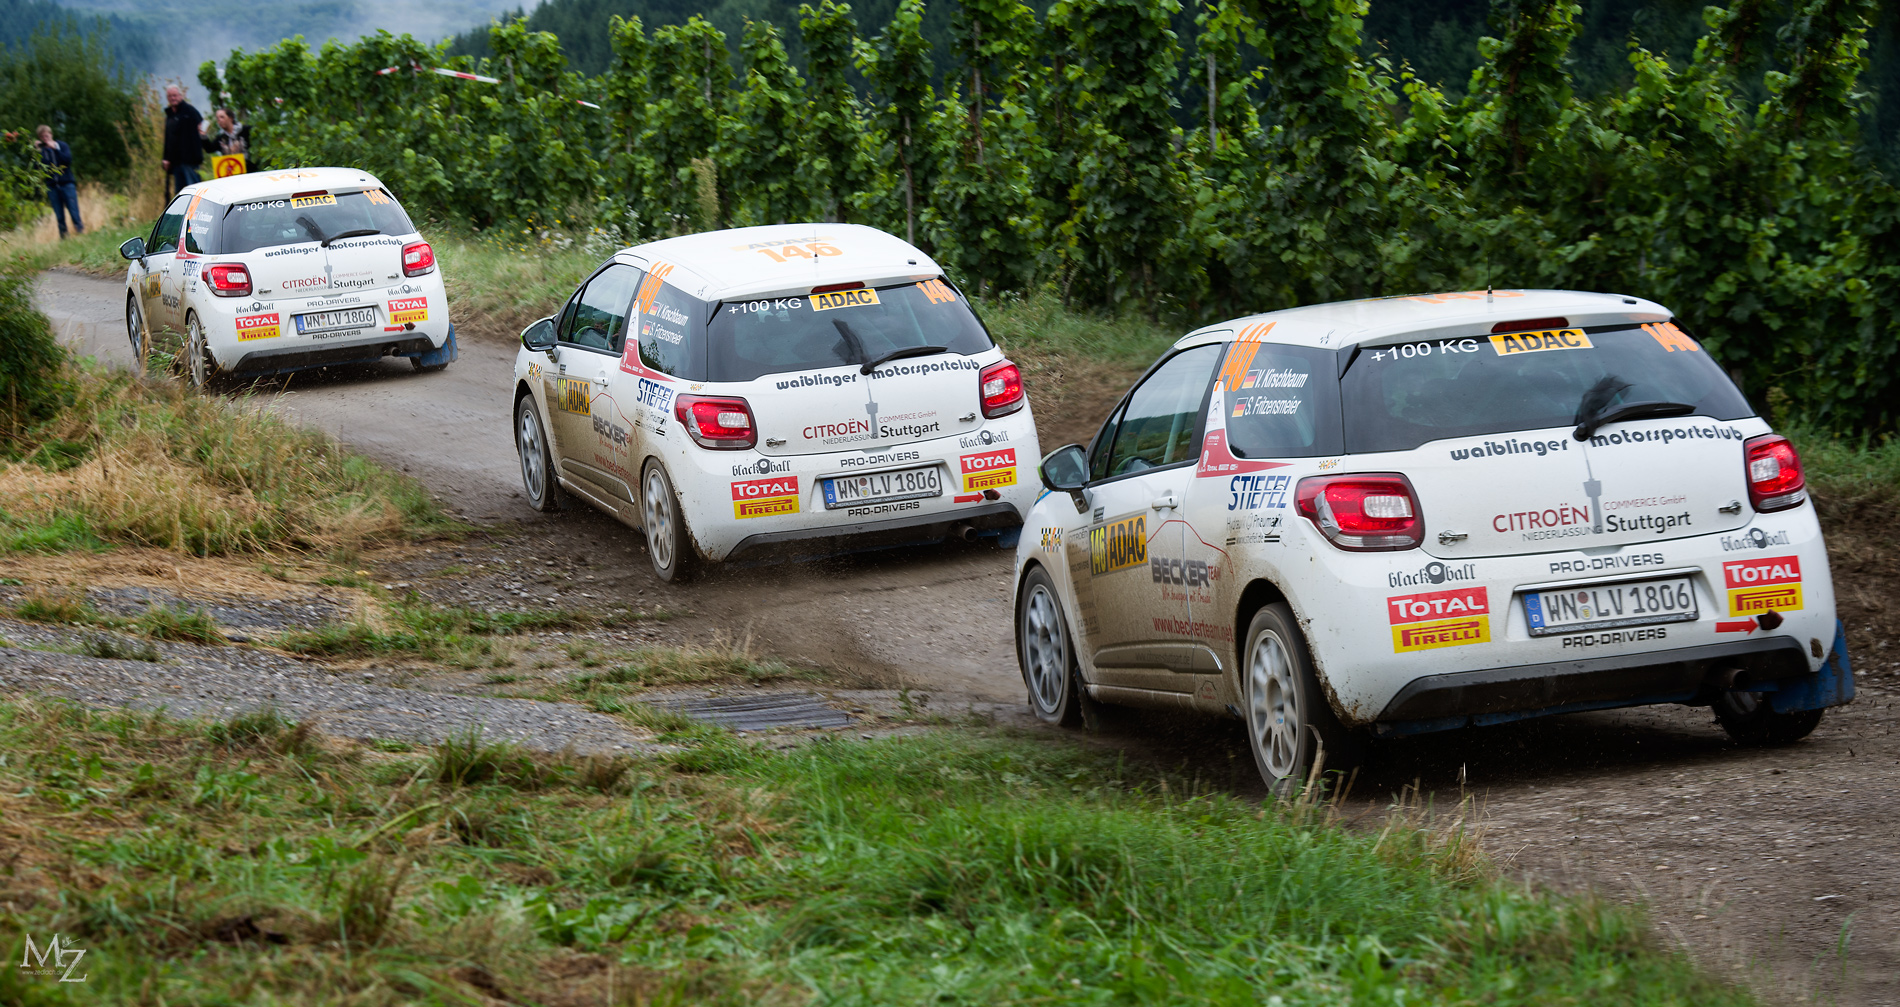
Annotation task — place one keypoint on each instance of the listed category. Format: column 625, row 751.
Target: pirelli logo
column 1119, row 546
column 765, row 497
column 988, row 470
column 1762, row 585
column 1437, row 619
column 258, row 326
column 408, row 309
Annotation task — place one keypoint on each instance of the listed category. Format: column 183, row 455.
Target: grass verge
column 251, row 863
column 460, row 637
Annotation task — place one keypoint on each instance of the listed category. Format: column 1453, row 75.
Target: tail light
column 228, row 279
column 417, row 258
column 723, row 424
column 1364, row 513
column 1001, row 386
column 1775, row 481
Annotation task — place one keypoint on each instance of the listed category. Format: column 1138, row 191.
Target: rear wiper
column 354, row 233
column 908, row 351
column 1631, row 411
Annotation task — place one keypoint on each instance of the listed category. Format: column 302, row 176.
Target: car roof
column 732, row 263
column 1413, row 316
column 276, row 184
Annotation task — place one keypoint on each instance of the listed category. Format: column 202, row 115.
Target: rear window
column 266, row 223
column 1400, row 396
column 752, row 338
column 1281, row 401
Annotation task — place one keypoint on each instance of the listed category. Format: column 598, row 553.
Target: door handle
column 1167, row 502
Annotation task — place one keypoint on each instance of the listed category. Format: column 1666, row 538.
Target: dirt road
column 1776, row 867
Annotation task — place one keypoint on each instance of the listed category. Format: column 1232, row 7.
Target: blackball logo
column 1755, row 539
column 1433, row 573
column 984, row 437
column 762, row 467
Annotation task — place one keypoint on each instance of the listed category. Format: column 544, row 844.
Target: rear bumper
column 1694, row 675
column 368, row 351
column 805, row 543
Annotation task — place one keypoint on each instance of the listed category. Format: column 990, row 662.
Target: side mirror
column 539, row 336
column 1066, row 470
column 134, row 248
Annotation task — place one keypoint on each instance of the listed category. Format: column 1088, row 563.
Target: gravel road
column 1777, row 867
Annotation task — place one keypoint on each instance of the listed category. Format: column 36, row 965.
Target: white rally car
column 787, row 391
column 287, row 270
column 1419, row 513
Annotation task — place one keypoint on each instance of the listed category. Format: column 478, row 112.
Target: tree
column 760, row 154
column 834, row 121
column 897, row 64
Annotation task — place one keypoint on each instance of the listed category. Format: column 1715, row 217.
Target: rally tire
column 669, row 545
column 1045, row 650
column 135, row 327
column 538, row 480
column 200, row 367
column 1289, row 722
column 1748, row 720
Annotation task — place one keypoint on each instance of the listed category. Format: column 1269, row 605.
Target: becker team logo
column 56, row 958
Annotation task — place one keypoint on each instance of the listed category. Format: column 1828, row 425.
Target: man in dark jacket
column 184, row 147
column 62, row 189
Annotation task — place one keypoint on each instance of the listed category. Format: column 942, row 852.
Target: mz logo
column 34, row 959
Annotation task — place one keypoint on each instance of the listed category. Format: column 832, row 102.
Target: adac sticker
column 1119, row 546
column 1514, row 343
column 843, row 299
column 1761, row 585
column 765, row 497
column 988, row 470
column 577, row 396
column 1437, row 619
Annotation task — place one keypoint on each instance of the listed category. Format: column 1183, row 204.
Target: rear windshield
column 753, row 338
column 1398, row 397
column 291, row 220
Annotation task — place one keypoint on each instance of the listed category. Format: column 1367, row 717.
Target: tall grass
column 232, row 866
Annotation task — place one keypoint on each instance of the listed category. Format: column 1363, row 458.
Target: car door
column 593, row 434
column 1133, row 588
column 157, row 285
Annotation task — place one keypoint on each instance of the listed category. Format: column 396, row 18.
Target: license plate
column 876, row 487
column 1601, row 606
column 348, row 318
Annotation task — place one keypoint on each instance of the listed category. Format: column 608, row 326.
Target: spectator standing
column 231, row 136
column 62, row 189
column 184, row 146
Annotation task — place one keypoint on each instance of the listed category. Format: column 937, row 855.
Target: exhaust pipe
column 963, row 531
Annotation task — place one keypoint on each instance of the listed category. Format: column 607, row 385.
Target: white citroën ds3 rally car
column 1419, row 513
column 787, row 390
column 284, row 271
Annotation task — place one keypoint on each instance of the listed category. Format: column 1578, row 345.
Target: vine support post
column 1213, row 126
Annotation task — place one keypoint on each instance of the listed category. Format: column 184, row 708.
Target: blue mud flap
column 441, row 357
column 1833, row 685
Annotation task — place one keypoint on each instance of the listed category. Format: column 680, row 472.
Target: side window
column 165, row 232
column 670, row 326
column 1161, row 424
column 198, row 230
column 1098, row 448
column 1281, row 401
column 597, row 319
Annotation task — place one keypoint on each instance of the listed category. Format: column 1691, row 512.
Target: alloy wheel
column 1273, row 712
column 1045, row 648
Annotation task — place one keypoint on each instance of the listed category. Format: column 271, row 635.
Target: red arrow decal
column 1739, row 626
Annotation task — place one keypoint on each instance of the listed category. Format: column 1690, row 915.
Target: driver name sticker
column 843, row 299
column 1437, row 619
column 408, row 309
column 765, row 497
column 1513, row 343
column 258, row 326
column 299, row 202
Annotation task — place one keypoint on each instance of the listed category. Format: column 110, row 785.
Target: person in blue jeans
column 62, row 189
column 184, row 147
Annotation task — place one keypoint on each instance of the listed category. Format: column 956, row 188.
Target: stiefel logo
column 55, row 959
column 1434, row 573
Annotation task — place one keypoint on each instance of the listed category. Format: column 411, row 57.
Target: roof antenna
column 1487, row 293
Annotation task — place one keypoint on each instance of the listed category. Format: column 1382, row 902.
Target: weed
column 455, row 636
column 113, row 648
column 646, row 715
column 367, row 902
column 186, row 625
column 500, row 679
column 55, row 605
column 388, row 745
column 464, row 759
column 258, row 727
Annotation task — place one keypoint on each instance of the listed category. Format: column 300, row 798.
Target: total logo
column 1439, row 619
column 761, row 467
column 1762, row 585
column 1755, row 539
column 1433, row 573
column 983, row 438
column 765, row 497
column 988, row 470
